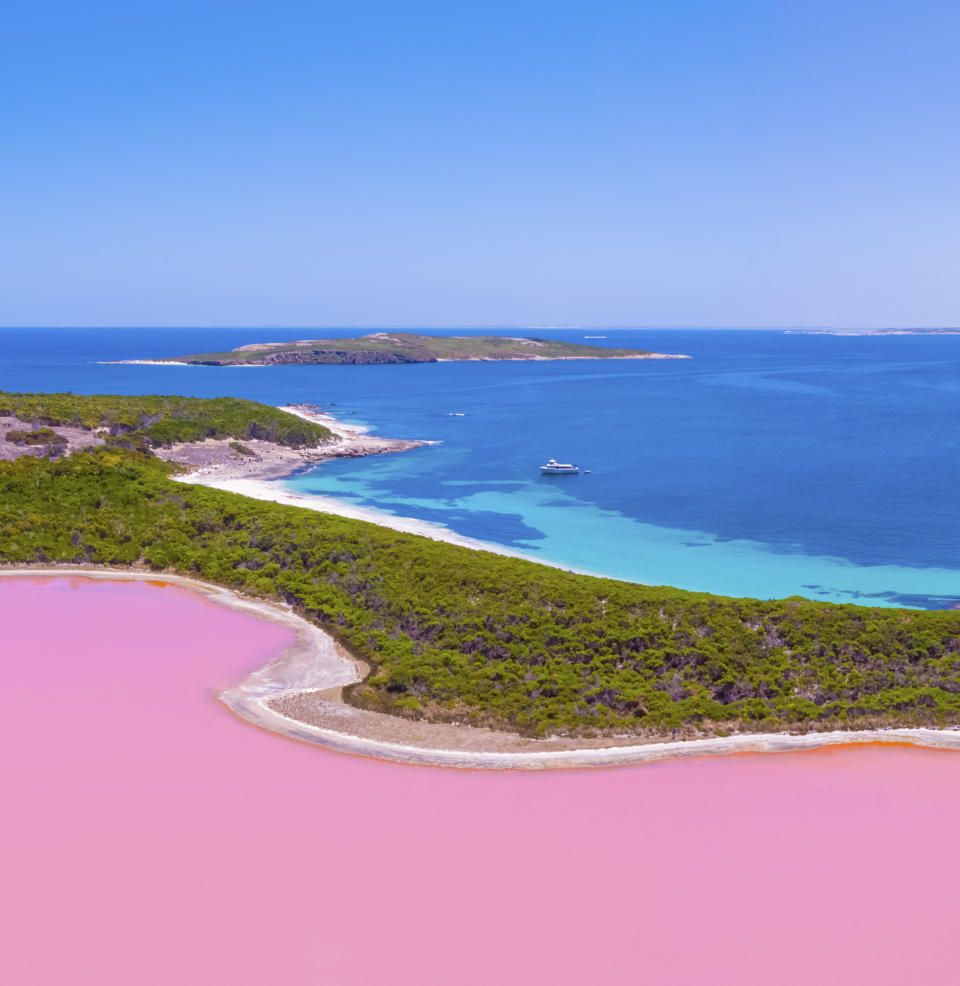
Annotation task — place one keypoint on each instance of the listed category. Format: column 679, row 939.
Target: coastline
column 257, row 480
column 555, row 359
column 265, row 489
column 141, row 362
column 264, row 481
column 217, row 463
column 439, row 359
column 308, row 677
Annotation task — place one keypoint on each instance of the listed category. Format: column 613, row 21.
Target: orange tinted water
column 151, row 838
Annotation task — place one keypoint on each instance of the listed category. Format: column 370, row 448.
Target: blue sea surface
column 769, row 464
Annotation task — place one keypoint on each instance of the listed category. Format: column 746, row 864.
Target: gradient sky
column 464, row 163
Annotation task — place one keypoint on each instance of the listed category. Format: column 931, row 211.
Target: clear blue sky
column 413, row 163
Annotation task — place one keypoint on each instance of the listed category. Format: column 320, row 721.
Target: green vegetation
column 406, row 347
column 154, row 420
column 241, row 449
column 41, row 436
column 472, row 637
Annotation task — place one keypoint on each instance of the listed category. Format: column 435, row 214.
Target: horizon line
column 565, row 327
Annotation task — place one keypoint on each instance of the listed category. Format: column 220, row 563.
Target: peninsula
column 467, row 641
column 215, row 439
column 406, row 347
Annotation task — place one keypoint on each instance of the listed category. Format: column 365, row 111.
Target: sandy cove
column 298, row 695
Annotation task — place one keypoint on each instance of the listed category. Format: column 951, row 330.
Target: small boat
column 554, row 468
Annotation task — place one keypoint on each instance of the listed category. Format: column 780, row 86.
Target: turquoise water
column 768, row 465
column 561, row 528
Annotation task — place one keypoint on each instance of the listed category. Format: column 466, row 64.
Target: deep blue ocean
column 769, row 464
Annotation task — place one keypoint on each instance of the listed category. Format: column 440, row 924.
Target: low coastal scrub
column 154, row 420
column 458, row 635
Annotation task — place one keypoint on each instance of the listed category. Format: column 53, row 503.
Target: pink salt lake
column 149, row 837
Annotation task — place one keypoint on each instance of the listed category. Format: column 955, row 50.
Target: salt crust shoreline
column 316, row 668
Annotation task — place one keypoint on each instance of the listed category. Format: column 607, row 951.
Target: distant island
column 874, row 332
column 405, row 347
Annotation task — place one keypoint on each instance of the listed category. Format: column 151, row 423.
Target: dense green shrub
column 154, row 420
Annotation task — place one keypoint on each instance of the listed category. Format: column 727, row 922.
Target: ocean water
column 769, row 464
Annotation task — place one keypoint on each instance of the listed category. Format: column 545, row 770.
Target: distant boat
column 594, row 337
column 554, row 468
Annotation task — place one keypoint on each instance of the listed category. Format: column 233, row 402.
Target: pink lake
column 151, row 838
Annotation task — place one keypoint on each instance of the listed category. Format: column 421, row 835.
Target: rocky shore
column 74, row 439
column 223, row 460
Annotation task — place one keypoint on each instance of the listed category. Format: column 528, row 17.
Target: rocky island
column 406, row 347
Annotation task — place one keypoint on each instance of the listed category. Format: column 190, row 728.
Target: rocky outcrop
column 68, row 438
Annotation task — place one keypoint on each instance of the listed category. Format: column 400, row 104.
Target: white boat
column 554, row 468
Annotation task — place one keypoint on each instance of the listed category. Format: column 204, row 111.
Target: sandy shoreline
column 263, row 489
column 234, row 474
column 298, row 695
